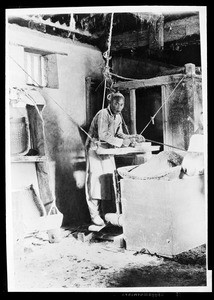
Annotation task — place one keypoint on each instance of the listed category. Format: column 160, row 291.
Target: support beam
column 155, row 81
column 133, row 111
column 190, row 70
column 139, row 83
column 88, row 106
column 156, row 35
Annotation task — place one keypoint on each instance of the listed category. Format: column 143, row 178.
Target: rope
column 124, row 123
column 152, row 118
column 106, row 67
column 52, row 99
column 166, row 145
column 125, row 78
column 109, row 39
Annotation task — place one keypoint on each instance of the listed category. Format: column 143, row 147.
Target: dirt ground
column 88, row 265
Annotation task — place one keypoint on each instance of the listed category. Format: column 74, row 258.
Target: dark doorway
column 148, row 101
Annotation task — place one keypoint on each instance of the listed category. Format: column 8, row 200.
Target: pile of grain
column 158, row 165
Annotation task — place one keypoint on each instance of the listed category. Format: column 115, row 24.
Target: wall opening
column 41, row 68
column 148, row 101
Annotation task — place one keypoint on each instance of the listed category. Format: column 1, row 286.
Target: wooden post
column 133, row 111
column 88, row 108
column 160, row 32
column 166, row 136
column 190, row 70
column 156, row 34
column 191, row 92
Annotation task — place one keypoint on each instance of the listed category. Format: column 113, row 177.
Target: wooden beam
column 129, row 40
column 156, row 35
column 22, row 159
column 178, row 29
column 88, row 81
column 133, row 111
column 155, row 81
column 172, row 31
column 190, row 71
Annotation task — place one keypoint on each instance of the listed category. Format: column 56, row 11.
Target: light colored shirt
column 106, row 127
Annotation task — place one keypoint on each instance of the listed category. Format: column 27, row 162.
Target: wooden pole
column 164, row 115
column 133, row 111
column 156, row 34
column 88, row 104
column 190, row 70
column 190, row 88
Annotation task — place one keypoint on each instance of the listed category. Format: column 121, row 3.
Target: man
column 105, row 130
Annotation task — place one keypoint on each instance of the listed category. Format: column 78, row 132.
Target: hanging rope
column 124, row 123
column 152, row 118
column 148, row 140
column 106, row 70
column 125, row 78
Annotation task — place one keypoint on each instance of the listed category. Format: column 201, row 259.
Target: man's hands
column 126, row 142
column 131, row 140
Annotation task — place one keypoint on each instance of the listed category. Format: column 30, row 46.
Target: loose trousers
column 99, row 180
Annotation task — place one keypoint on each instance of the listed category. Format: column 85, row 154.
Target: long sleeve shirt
column 106, row 127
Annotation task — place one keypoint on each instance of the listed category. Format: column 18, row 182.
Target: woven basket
column 19, row 136
column 170, row 174
column 29, row 214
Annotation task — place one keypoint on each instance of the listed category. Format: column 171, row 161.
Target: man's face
column 117, row 105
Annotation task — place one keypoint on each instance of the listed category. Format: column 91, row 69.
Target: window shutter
column 51, row 70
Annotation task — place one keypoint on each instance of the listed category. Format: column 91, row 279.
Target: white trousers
column 99, row 180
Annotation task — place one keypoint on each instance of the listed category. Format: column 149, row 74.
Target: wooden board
column 22, row 159
column 127, row 150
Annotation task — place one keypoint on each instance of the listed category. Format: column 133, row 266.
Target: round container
column 19, row 136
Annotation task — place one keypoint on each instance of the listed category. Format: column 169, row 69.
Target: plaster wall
column 64, row 140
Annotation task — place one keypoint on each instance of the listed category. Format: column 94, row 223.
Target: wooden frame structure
column 188, row 108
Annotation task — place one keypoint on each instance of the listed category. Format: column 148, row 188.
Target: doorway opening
column 148, row 101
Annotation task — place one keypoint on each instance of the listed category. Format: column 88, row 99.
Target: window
column 41, row 69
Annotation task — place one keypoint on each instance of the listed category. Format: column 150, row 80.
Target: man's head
column 116, row 102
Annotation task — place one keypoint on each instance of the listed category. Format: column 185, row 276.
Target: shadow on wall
column 69, row 174
column 70, row 192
